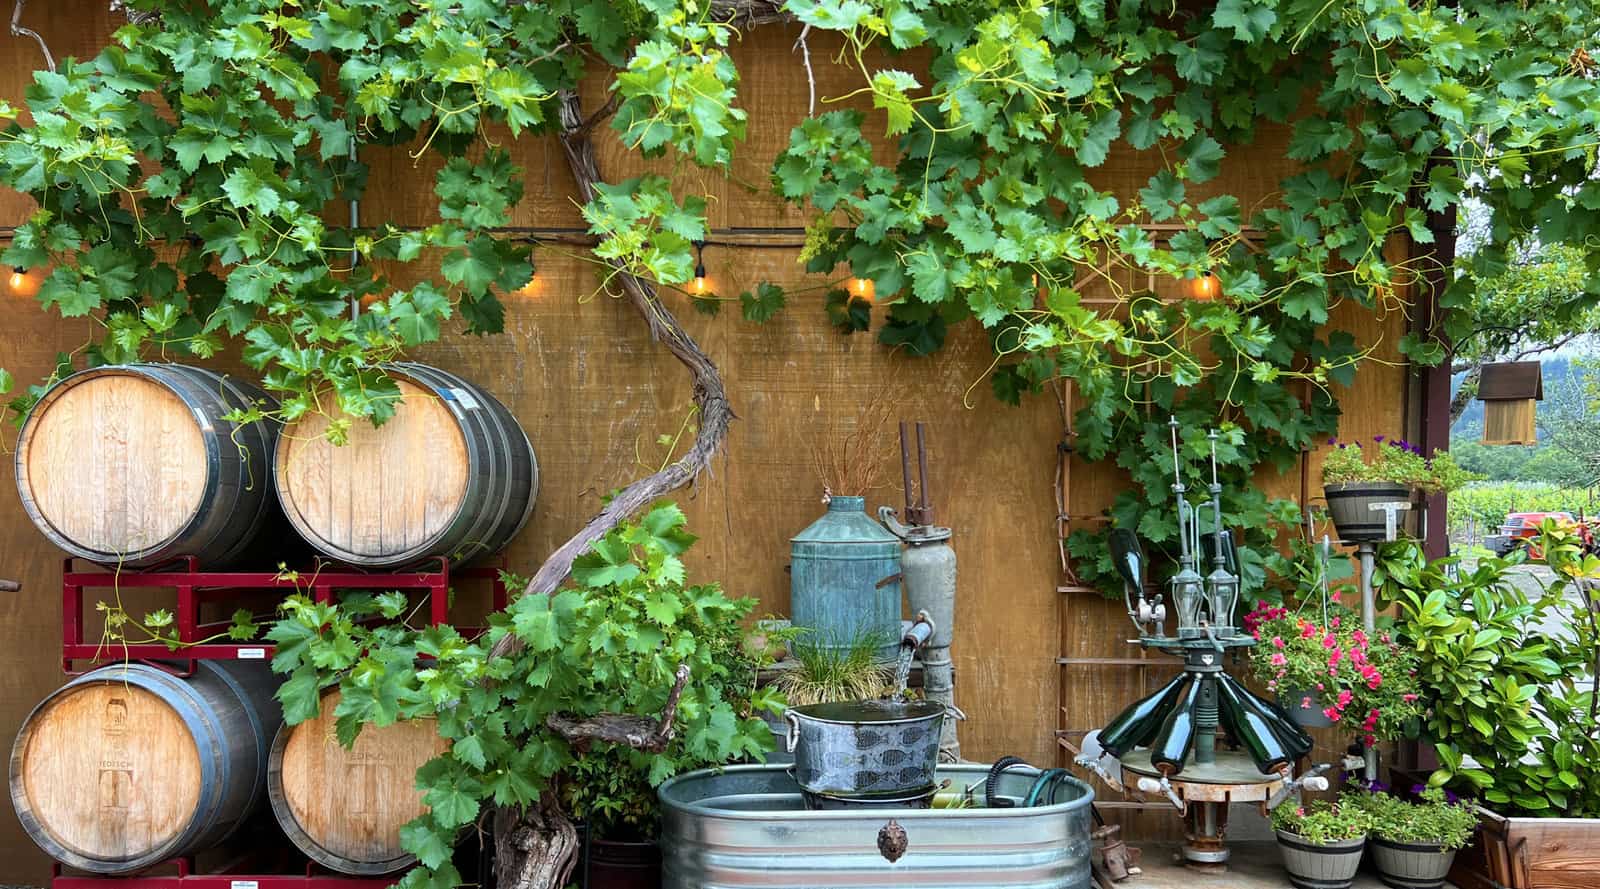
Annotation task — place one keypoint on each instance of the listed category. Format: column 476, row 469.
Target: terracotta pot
column 1411, row 865
column 1349, row 506
column 620, row 865
column 1313, row 866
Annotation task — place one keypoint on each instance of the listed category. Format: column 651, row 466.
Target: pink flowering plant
column 1365, row 683
column 1321, row 821
column 1393, row 460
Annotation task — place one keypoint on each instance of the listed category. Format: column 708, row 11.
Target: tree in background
column 1558, row 456
column 1535, row 306
column 1570, row 421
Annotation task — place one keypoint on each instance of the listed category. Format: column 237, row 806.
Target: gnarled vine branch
column 535, row 848
column 710, row 396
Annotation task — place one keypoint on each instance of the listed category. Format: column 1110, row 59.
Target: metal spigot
column 1092, row 763
column 1148, row 784
column 1311, row 780
column 920, row 631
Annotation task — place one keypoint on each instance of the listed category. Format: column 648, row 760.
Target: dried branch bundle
column 850, row 453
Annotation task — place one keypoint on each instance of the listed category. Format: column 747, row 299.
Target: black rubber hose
column 993, row 781
column 1050, row 780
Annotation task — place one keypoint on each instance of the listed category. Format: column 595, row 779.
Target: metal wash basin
column 746, row 827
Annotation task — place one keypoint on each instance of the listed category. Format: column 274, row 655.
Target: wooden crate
column 1530, row 853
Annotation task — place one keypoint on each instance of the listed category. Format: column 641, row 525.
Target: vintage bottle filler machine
column 1166, row 743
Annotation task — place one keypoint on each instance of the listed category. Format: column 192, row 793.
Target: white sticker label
column 249, row 654
column 465, row 399
column 243, row 884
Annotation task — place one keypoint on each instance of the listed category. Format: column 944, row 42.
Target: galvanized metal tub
column 856, row 748
column 745, row 827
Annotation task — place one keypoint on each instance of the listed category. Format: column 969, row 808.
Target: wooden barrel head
column 388, row 490
column 115, row 463
column 108, row 771
column 344, row 808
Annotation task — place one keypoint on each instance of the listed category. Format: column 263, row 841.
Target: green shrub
column 1435, row 819
column 1505, row 674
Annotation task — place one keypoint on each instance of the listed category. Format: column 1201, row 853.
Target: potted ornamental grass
column 1415, row 842
column 1356, row 478
column 1321, row 842
column 1326, row 671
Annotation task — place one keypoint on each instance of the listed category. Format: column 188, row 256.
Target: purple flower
column 1332, row 442
column 1418, row 788
column 1377, row 438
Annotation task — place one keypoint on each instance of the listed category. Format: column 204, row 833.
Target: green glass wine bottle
column 1170, row 748
column 1255, row 732
column 1293, row 736
column 1139, row 723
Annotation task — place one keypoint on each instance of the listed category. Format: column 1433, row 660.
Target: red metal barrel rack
column 194, row 587
column 191, row 588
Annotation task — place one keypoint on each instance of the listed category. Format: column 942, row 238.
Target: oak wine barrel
column 129, row 765
column 450, row 474
column 133, row 465
column 344, row 808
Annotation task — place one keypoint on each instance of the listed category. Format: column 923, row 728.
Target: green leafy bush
column 610, row 644
column 1436, row 818
column 1506, row 675
column 1389, row 460
column 1322, row 821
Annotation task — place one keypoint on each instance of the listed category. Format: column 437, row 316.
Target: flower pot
column 614, row 864
column 1292, row 699
column 1411, row 865
column 1349, row 506
column 1312, row 866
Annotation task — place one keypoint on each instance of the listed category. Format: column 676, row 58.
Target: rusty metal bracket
column 1109, row 857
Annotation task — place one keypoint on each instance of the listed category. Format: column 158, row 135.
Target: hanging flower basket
column 1305, row 708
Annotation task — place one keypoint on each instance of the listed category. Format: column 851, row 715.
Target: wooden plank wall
column 579, row 371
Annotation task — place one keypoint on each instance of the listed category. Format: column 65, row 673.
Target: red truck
column 1520, row 528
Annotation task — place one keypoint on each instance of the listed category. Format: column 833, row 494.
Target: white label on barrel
column 251, row 654
column 242, row 884
column 465, row 399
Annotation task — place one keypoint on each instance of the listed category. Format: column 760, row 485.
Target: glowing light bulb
column 863, row 288
column 22, row 283
column 700, row 278
column 532, row 287
column 1205, row 287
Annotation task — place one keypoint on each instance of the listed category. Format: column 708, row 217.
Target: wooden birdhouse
column 1508, row 392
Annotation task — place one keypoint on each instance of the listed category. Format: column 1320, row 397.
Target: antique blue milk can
column 844, row 580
